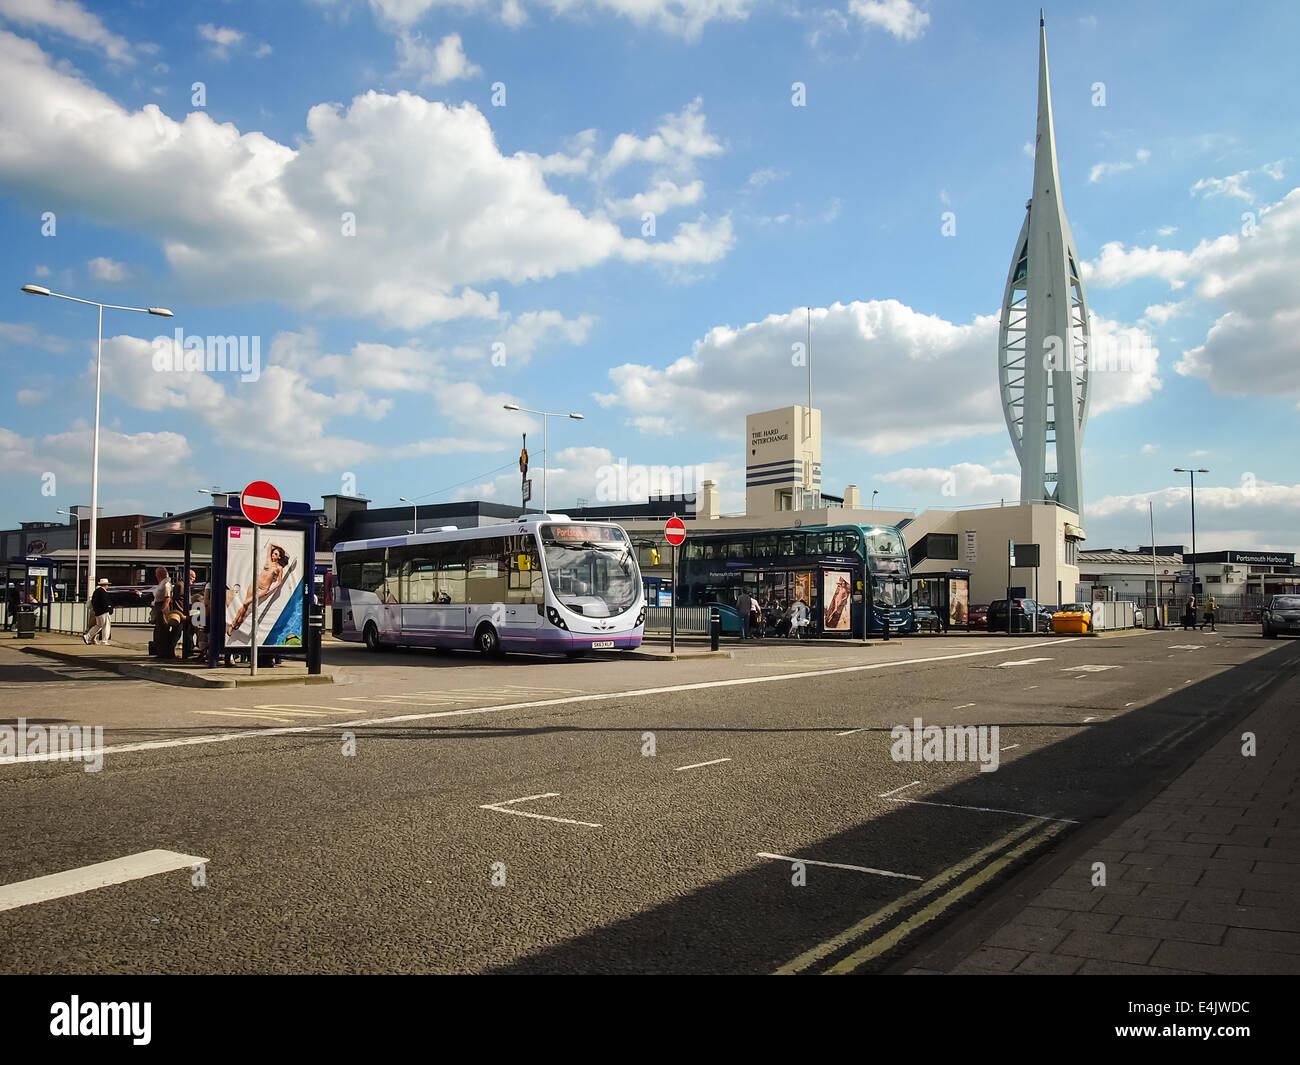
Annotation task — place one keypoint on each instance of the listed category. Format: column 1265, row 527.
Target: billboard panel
column 279, row 569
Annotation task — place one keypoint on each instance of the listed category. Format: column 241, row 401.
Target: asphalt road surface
column 441, row 813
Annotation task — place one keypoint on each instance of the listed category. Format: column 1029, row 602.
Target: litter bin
column 26, row 624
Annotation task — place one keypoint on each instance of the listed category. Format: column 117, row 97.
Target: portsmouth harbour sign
column 1267, row 559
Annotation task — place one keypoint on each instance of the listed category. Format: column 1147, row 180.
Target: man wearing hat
column 103, row 611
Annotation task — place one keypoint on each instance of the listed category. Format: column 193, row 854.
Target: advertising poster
column 279, row 570
column 958, row 603
column 803, row 587
column 836, row 588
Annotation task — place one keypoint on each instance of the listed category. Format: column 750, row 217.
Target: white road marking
column 838, row 865
column 90, row 877
column 1031, row 687
column 1013, row 746
column 1020, row 662
column 1128, row 704
column 963, row 706
column 192, row 741
column 1088, row 669
column 698, row 765
column 1185, row 647
column 1087, row 719
column 986, row 810
column 497, row 806
column 851, row 732
column 887, row 794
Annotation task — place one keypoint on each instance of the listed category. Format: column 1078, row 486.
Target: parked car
column 979, row 616
column 1025, row 616
column 926, row 619
column 1281, row 613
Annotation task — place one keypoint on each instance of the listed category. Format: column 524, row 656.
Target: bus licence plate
column 596, row 644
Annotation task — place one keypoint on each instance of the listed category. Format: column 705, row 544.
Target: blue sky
column 501, row 253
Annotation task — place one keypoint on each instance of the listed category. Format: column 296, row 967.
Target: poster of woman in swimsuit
column 835, row 599
column 279, row 587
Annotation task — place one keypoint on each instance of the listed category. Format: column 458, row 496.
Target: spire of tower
column 1047, row 178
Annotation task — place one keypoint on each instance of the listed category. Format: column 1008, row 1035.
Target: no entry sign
column 260, row 501
column 675, row 531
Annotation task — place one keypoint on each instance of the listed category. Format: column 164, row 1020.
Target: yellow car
column 1073, row 618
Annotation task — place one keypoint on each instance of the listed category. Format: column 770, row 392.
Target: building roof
column 1131, row 558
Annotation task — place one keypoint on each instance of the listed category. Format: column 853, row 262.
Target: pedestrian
column 103, row 613
column 755, row 618
column 11, row 603
column 163, row 644
column 1189, row 613
column 1208, row 619
column 742, row 609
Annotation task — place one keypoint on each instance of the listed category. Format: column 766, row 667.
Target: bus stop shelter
column 30, row 586
column 283, row 569
column 947, row 593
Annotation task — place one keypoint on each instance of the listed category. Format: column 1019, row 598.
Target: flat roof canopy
column 201, row 521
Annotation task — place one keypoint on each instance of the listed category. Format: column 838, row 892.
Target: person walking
column 1189, row 613
column 755, row 618
column 743, row 603
column 1208, row 619
column 103, row 611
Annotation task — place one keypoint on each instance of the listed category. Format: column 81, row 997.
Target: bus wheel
column 487, row 641
column 371, row 635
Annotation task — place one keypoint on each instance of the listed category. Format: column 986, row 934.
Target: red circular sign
column 675, row 531
column 260, row 501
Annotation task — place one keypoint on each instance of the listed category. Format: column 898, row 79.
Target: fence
column 691, row 620
column 71, row 617
column 1229, row 609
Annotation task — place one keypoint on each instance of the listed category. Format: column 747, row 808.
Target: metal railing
column 691, row 620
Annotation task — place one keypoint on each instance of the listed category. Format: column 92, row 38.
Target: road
column 440, row 813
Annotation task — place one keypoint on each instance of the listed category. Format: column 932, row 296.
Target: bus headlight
column 553, row 616
column 640, row 618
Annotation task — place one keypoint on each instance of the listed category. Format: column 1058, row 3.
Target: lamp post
column 1192, row 474
column 415, row 514
column 874, row 492
column 76, row 573
column 161, row 312
column 546, row 453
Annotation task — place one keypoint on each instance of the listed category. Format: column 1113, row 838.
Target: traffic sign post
column 261, row 503
column 675, row 534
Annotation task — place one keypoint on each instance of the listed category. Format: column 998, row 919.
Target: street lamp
column 874, row 492
column 161, row 312
column 76, row 573
column 1192, row 474
column 546, row 454
column 415, row 514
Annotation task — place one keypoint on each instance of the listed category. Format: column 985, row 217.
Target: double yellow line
column 1037, row 834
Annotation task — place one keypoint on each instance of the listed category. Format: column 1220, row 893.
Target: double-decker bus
column 543, row 584
column 823, row 565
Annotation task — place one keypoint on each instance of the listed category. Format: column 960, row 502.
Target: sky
column 416, row 211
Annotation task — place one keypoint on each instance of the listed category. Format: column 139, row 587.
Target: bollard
column 886, row 624
column 715, row 627
column 315, row 633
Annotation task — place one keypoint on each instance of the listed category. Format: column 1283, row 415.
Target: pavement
column 1200, row 877
column 127, row 654
column 751, row 814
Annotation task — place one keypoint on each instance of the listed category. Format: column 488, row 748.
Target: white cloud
column 68, row 18
column 1150, row 449
column 1232, row 185
column 901, row 18
column 663, row 197
column 961, row 483
column 1249, row 515
column 32, row 397
column 1166, row 231
column 434, row 65
column 766, row 176
column 122, row 456
column 102, row 269
column 861, row 350
column 439, row 211
column 1105, row 170
column 1161, row 313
